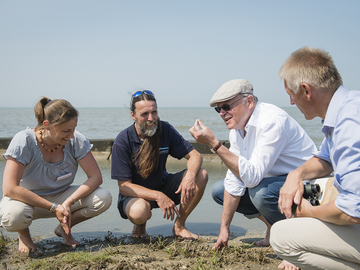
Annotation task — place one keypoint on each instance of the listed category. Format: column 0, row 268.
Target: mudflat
column 156, row 252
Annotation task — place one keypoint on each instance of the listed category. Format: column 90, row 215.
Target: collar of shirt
column 134, row 137
column 335, row 104
column 253, row 120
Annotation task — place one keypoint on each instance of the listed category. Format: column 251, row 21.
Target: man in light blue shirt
column 326, row 236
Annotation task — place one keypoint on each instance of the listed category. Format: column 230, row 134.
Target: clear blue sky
column 93, row 53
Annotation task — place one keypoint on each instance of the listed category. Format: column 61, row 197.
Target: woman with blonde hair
column 39, row 172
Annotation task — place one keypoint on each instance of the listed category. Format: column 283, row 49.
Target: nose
column 150, row 117
column 72, row 134
column 222, row 112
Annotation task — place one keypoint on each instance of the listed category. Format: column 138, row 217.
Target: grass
column 73, row 259
column 158, row 252
column 3, row 242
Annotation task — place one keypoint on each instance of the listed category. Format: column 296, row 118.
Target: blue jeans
column 260, row 200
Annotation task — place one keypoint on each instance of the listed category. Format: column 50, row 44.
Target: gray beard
column 148, row 132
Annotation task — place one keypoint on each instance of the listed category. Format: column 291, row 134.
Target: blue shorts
column 170, row 186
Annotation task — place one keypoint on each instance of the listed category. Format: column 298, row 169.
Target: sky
column 93, row 53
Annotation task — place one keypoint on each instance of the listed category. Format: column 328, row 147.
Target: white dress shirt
column 274, row 145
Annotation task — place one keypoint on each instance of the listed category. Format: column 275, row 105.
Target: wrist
column 72, row 199
column 216, row 147
column 53, row 208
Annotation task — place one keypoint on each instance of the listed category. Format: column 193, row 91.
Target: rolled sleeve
column 349, row 203
column 234, row 185
column 323, row 153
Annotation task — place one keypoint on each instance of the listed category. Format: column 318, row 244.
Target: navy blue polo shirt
column 127, row 144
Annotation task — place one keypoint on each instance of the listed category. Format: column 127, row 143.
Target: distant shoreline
column 102, row 149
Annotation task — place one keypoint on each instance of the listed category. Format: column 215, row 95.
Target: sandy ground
column 155, row 252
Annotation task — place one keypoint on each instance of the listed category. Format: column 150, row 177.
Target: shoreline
column 101, row 149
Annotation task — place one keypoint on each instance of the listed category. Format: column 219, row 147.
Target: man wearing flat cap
column 265, row 145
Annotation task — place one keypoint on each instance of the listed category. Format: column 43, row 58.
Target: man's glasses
column 226, row 107
column 139, row 93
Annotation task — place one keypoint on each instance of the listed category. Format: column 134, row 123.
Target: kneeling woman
column 40, row 168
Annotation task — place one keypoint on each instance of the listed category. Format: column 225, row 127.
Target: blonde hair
column 57, row 111
column 311, row 66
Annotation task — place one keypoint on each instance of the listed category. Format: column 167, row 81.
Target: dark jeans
column 262, row 199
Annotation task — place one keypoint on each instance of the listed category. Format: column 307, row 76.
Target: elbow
column 8, row 192
column 123, row 187
column 100, row 180
column 96, row 179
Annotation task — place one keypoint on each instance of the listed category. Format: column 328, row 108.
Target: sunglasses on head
column 139, row 93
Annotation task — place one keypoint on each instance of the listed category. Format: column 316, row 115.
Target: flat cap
column 230, row 89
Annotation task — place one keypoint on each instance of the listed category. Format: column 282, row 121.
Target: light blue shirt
column 39, row 176
column 341, row 148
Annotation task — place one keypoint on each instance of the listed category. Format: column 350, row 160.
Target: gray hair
column 311, row 66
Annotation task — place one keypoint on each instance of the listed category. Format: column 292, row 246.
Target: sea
column 106, row 123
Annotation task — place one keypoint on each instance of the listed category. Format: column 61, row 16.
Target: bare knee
column 138, row 211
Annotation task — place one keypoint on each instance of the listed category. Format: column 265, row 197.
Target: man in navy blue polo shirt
column 138, row 163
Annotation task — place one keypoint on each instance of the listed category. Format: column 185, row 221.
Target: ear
column 132, row 115
column 46, row 124
column 250, row 101
column 307, row 90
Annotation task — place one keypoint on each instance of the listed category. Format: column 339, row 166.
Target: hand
column 167, row 206
column 222, row 241
column 64, row 217
column 303, row 209
column 291, row 192
column 202, row 134
column 187, row 189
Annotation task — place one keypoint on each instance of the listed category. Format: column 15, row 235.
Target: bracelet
column 72, row 199
column 216, row 147
column 53, row 207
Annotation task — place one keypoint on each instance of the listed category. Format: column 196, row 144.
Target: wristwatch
column 53, row 207
column 216, row 147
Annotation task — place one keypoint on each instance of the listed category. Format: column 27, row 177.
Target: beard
column 146, row 130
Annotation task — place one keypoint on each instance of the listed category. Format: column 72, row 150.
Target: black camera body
column 311, row 193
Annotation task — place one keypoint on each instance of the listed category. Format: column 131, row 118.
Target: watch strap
column 214, row 149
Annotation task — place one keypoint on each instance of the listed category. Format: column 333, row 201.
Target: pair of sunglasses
column 139, row 93
column 226, row 107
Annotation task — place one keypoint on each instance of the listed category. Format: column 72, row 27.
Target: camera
column 311, row 193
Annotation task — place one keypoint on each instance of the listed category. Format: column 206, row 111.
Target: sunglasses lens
column 138, row 93
column 148, row 92
column 226, row 107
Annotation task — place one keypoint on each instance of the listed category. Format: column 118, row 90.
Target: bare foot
column 181, row 231
column 26, row 244
column 68, row 238
column 266, row 241
column 139, row 231
column 287, row 266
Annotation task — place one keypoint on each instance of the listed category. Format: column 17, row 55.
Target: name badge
column 63, row 177
column 164, row 150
